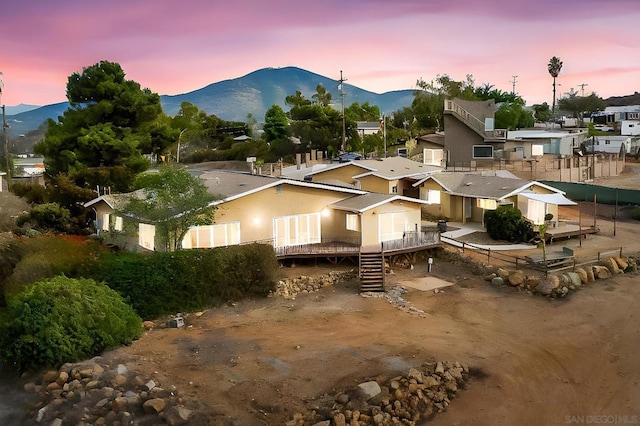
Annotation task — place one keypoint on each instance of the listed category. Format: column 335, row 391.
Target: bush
column 635, row 213
column 187, row 280
column 50, row 255
column 507, row 224
column 65, row 320
column 31, row 192
column 10, row 208
column 47, row 217
column 11, row 251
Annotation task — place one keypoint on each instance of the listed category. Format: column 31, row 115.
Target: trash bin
column 442, row 225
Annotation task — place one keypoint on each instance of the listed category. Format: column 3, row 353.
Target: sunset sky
column 175, row 47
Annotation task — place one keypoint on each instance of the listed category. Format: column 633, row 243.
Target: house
column 390, row 175
column 432, row 148
column 616, row 114
column 520, row 144
column 295, row 216
column 368, row 127
column 464, row 197
column 630, row 127
column 609, row 144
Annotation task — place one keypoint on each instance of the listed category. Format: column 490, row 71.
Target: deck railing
column 412, row 240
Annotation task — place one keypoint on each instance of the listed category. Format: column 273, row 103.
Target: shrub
column 10, row 208
column 47, row 217
column 187, row 280
column 11, row 251
column 47, row 256
column 31, row 192
column 65, row 320
column 507, row 224
column 635, row 213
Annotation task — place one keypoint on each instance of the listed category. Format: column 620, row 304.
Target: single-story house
column 609, row 144
column 521, row 142
column 282, row 212
column 464, row 197
column 391, row 175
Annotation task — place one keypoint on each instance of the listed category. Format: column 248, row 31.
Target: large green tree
column 577, row 106
column 173, row 200
column 317, row 126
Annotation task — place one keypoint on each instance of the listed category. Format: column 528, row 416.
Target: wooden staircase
column 372, row 270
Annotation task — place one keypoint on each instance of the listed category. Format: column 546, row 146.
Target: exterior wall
column 256, row 212
column 370, row 221
column 343, row 174
column 376, row 184
column 459, row 141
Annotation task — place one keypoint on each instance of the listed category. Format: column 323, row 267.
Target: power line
column 582, row 87
column 513, row 84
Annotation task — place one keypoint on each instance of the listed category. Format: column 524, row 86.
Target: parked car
column 349, row 156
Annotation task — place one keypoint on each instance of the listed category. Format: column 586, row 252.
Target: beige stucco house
column 282, row 212
column 464, row 197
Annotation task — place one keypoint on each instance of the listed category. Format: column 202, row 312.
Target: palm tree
column 554, row 67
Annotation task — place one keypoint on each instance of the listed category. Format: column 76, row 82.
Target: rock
column 611, row 265
column 590, row 276
column 119, row 380
column 177, row 416
column 119, row 404
column 490, row 277
column 584, row 278
column 150, row 385
column 49, row 376
column 516, row 278
column 548, row 285
column 622, row 264
column 532, row 281
column 497, row 281
column 148, row 325
column 601, row 272
column 339, row 420
column 439, row 368
column 62, row 378
column 415, row 374
column 122, row 369
column 503, row 273
column 343, row 398
column 430, row 381
column 154, row 406
column 369, row 390
column 575, row 278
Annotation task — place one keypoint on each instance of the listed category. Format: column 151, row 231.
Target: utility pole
column 582, row 88
column 5, row 137
column 513, row 84
column 344, row 125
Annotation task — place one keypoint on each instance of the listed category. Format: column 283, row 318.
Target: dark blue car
column 349, row 156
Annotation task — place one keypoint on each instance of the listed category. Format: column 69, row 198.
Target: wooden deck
column 570, row 230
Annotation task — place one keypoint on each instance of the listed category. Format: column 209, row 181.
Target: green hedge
column 163, row 283
column 64, row 320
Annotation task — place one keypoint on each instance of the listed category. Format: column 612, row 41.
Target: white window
column 353, row 222
column 394, row 189
column 392, row 226
column 633, row 115
column 118, row 225
column 105, row 221
column 146, row 236
column 535, row 211
column 486, row 204
column 209, row 236
column 482, row 151
column 433, row 196
column 297, row 229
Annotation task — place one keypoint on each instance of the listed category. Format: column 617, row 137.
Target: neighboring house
column 616, row 114
column 463, row 197
column 368, row 127
column 521, row 142
column 432, row 148
column 469, row 131
column 630, row 127
column 286, row 213
column 609, row 144
column 391, row 175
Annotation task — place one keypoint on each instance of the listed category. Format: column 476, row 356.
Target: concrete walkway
column 462, row 229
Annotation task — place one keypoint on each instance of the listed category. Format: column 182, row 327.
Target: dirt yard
column 535, row 361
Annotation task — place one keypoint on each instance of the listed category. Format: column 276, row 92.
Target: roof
column 625, row 108
column 477, row 185
column 364, row 202
column 434, row 138
column 538, row 134
column 555, row 198
column 116, row 201
column 227, row 185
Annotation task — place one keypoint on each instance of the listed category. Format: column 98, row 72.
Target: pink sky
column 175, row 47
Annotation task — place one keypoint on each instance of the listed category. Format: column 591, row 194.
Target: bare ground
column 536, row 361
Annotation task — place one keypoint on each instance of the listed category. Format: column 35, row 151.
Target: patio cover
column 556, row 198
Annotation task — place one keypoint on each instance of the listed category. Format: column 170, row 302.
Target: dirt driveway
column 536, row 361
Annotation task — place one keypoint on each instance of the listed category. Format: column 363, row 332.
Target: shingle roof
column 364, row 202
column 477, row 185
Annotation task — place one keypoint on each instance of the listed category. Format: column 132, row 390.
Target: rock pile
column 394, row 296
column 406, row 400
column 94, row 393
column 561, row 284
column 290, row 288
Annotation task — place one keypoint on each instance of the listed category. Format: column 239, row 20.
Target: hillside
column 234, row 99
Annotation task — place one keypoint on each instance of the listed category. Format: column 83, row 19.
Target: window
column 394, row 189
column 209, row 236
column 146, row 236
column 433, row 196
column 633, row 115
column 105, row 221
column 392, row 226
column 297, row 229
column 118, row 225
column 482, row 151
column 353, row 222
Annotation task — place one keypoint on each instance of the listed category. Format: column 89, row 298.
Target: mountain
column 233, row 99
column 258, row 91
column 17, row 109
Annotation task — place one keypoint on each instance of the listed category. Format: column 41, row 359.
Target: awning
column 555, row 198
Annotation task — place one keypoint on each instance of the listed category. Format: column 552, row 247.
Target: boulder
column 497, row 281
column 601, row 272
column 611, row 265
column 369, row 390
column 590, row 276
column 575, row 278
column 154, row 406
column 622, row 264
column 583, row 275
column 533, row 281
column 547, row 285
column 503, row 273
column 516, row 278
